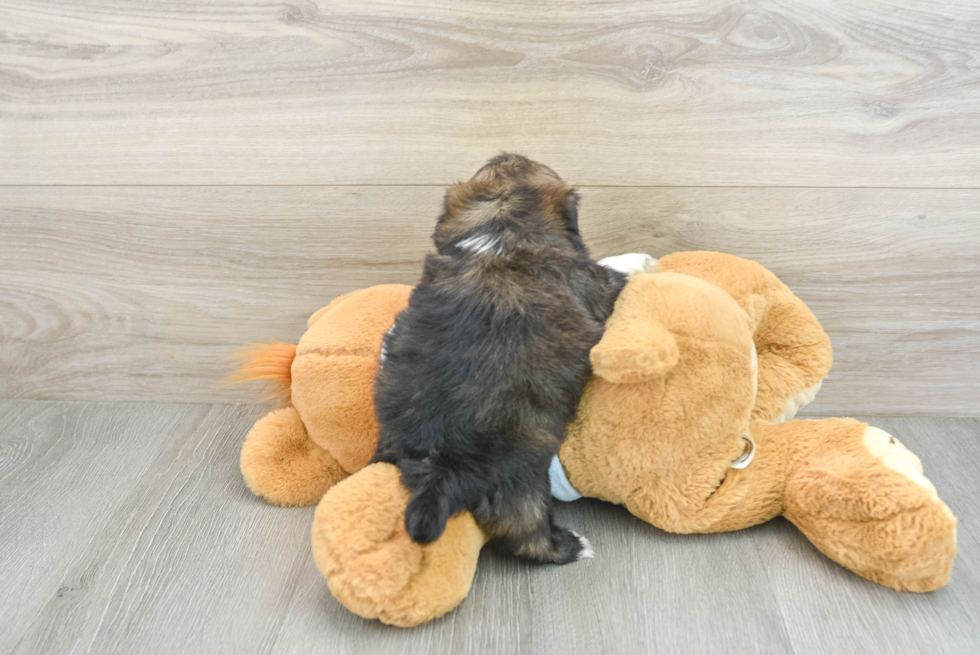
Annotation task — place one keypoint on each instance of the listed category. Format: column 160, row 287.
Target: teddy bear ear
column 634, row 351
column 755, row 307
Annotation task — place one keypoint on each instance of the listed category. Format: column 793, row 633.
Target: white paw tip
column 587, row 552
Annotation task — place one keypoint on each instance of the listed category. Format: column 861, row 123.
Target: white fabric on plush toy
column 561, row 488
column 630, row 264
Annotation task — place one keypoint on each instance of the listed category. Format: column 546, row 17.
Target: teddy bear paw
column 897, row 457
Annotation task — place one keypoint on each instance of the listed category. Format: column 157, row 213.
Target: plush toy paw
column 282, row 464
column 863, row 500
column 630, row 264
column 372, row 566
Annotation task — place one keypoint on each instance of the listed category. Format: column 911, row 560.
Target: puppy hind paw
column 587, row 552
column 570, row 546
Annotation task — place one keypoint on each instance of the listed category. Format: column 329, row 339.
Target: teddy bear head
column 667, row 412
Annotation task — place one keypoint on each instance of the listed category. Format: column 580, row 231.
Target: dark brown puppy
column 486, row 366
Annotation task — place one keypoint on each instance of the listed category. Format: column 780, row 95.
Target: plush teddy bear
column 685, row 423
column 324, row 428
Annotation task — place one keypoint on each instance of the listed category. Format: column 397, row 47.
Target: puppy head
column 510, row 191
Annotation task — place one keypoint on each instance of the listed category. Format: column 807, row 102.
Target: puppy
column 486, row 365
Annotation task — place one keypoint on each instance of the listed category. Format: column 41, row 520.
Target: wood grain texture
column 64, row 469
column 792, row 93
column 161, row 551
column 127, row 293
column 151, row 543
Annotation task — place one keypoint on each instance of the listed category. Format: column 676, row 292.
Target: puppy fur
column 486, row 366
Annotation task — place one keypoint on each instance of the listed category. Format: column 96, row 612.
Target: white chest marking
column 384, row 344
column 481, row 243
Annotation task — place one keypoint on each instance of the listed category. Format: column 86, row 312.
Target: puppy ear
column 571, row 211
column 460, row 197
column 634, row 351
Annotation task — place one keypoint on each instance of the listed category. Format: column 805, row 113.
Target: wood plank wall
column 179, row 179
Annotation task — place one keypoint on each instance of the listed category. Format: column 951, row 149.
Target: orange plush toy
column 686, row 423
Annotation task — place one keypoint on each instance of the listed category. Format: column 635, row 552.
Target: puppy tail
column 428, row 511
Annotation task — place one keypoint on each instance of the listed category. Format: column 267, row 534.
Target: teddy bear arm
column 862, row 499
column 795, row 356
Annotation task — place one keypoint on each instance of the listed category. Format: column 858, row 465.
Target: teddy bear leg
column 372, row 566
column 861, row 498
column 282, row 464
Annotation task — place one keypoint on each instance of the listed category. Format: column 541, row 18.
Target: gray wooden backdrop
column 180, row 179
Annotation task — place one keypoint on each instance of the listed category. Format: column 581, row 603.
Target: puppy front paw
column 630, row 264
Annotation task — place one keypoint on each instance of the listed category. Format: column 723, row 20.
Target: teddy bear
column 687, row 422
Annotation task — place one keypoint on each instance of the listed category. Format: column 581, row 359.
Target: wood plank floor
column 126, row 528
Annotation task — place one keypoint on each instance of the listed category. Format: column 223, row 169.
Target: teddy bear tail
column 267, row 362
